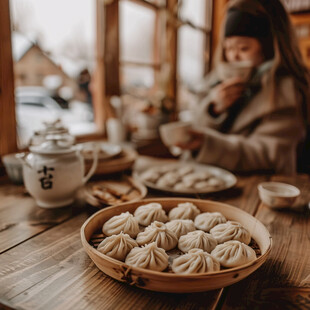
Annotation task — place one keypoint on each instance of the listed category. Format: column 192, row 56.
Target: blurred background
column 149, row 57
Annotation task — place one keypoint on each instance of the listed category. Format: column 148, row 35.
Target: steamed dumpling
column 159, row 233
column 149, row 256
column 195, row 261
column 201, row 185
column 185, row 170
column 191, row 178
column 230, row 231
column 233, row 253
column 181, row 227
column 180, row 186
column 166, row 168
column 197, row 240
column 186, row 210
column 149, row 213
column 124, row 222
column 207, row 220
column 215, row 182
column 150, row 175
column 168, row 180
column 117, row 246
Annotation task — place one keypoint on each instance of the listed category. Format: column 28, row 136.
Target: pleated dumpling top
column 195, row 261
column 124, row 222
column 149, row 256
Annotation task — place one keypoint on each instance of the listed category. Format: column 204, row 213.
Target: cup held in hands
column 241, row 69
column 175, row 133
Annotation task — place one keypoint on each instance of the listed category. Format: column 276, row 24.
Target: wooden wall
column 7, row 103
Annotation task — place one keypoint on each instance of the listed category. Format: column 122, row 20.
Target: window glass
column 194, row 11
column 136, row 77
column 190, row 54
column 193, row 51
column 53, row 46
column 136, row 32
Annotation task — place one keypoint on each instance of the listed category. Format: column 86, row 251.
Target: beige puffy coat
column 263, row 136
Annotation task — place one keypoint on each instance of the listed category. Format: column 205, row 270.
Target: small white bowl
column 278, row 195
column 13, row 168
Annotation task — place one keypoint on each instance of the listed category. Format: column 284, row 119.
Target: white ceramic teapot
column 53, row 172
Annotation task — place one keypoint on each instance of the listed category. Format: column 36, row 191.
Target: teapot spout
column 22, row 157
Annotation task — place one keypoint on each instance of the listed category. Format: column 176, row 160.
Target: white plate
column 229, row 179
column 106, row 150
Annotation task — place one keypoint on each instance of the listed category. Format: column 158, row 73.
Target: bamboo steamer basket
column 171, row 282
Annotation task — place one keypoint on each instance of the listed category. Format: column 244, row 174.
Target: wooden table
column 43, row 264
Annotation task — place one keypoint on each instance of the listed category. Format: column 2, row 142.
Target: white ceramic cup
column 13, row 168
column 175, row 133
column 241, row 69
column 115, row 131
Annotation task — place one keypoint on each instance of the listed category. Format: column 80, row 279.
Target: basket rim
column 86, row 244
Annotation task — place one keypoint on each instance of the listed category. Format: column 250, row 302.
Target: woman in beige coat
column 259, row 124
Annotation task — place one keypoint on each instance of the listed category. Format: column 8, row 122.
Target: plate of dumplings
column 178, row 245
column 186, row 178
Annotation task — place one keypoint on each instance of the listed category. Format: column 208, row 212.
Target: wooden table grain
column 43, row 264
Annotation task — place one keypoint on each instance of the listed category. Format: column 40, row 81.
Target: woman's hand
column 226, row 94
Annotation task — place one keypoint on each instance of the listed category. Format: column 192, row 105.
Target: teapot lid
column 54, row 127
column 53, row 145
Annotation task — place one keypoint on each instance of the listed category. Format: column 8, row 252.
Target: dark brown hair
column 287, row 55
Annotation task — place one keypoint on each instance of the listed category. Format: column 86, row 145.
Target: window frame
column 107, row 59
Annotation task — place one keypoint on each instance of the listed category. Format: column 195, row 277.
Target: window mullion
column 207, row 43
column 171, row 53
column 107, row 69
column 218, row 9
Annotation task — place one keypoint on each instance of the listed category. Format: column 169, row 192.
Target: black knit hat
column 239, row 23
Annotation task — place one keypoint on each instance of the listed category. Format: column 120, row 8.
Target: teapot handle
column 94, row 164
column 22, row 158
